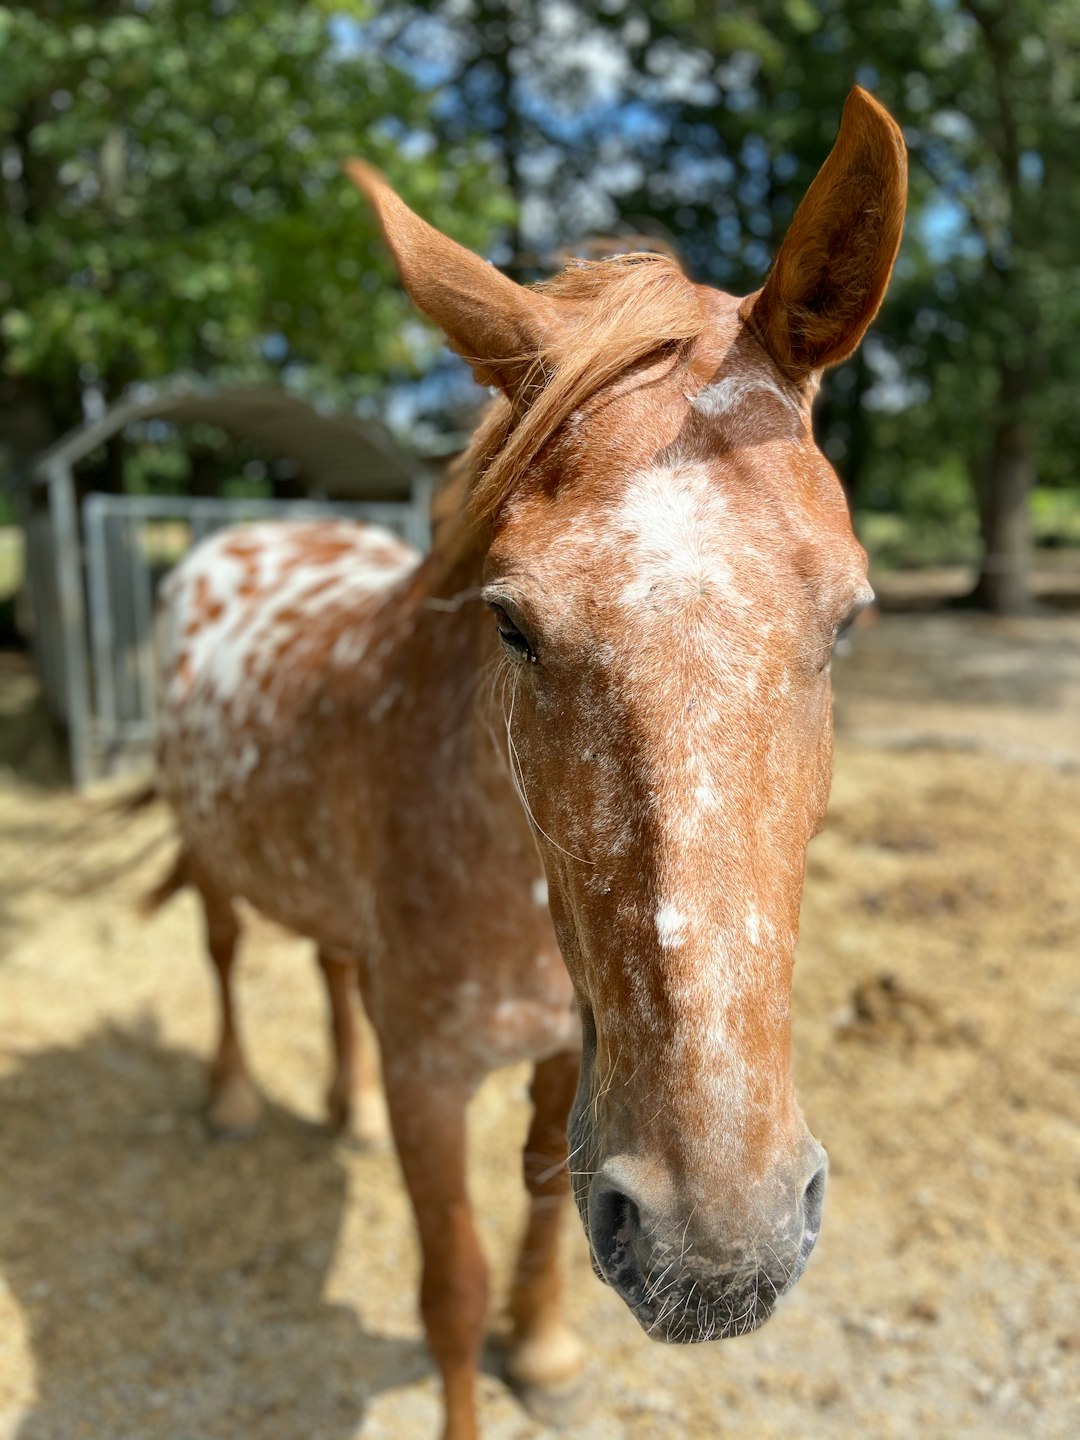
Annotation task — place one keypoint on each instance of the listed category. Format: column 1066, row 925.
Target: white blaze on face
column 670, row 525
column 694, row 586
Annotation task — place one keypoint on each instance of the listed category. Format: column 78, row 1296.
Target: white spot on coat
column 727, row 394
column 670, row 927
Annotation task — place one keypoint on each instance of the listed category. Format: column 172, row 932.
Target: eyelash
column 513, row 640
column 516, row 644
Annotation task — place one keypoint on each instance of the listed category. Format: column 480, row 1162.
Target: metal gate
column 131, row 542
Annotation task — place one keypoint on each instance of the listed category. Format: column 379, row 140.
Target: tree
column 693, row 126
column 1007, row 159
column 704, row 122
column 172, row 199
column 973, row 354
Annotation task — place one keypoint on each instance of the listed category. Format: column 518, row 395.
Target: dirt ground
column 156, row 1284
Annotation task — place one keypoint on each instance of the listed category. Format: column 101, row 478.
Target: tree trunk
column 204, row 471
column 497, row 26
column 32, row 417
column 1004, row 583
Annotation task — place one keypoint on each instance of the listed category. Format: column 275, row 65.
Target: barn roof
column 338, row 453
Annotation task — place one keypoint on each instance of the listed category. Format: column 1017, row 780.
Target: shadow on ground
column 173, row 1286
column 32, row 745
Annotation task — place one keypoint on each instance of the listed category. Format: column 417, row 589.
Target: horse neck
column 446, row 660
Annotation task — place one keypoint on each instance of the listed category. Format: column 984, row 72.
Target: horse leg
column 427, row 1114
column 543, row 1349
column 354, row 1100
column 233, row 1107
column 370, row 1126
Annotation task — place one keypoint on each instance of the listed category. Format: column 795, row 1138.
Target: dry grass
column 158, row 1285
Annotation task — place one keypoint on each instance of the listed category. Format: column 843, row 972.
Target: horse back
column 262, row 630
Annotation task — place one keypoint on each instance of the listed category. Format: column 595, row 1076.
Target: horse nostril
column 614, row 1222
column 813, row 1198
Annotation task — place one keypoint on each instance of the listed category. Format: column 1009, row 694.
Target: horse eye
column 512, row 638
column 842, row 639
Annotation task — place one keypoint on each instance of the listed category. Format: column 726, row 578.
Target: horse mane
column 623, row 310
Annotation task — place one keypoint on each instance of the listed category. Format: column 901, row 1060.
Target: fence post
column 101, row 630
column 69, row 586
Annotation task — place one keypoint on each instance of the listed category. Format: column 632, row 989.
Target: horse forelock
column 621, row 311
column 630, row 316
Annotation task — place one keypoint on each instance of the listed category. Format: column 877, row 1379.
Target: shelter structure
column 94, row 560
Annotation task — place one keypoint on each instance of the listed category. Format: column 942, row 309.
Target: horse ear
column 500, row 328
column 834, row 265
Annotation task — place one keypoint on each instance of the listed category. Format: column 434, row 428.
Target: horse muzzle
column 682, row 1278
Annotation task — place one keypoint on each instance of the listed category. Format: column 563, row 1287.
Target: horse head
column 669, row 561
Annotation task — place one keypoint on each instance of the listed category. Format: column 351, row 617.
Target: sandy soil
column 156, row 1284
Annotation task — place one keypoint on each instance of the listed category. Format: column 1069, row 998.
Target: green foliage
column 929, row 519
column 166, row 467
column 1055, row 519
column 174, row 199
column 939, row 495
column 157, row 469
column 938, row 524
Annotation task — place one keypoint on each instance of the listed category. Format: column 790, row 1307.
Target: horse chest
column 468, row 957
column 518, row 1002
column 519, row 1007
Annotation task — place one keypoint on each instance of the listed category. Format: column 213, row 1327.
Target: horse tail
column 137, row 801
column 179, row 875
column 177, row 879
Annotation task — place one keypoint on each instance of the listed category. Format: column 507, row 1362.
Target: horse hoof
column 555, row 1407
column 551, row 1357
column 234, row 1109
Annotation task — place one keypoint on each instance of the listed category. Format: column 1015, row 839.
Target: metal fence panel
column 45, row 609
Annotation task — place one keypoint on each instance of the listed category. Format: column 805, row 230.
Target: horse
column 545, row 793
